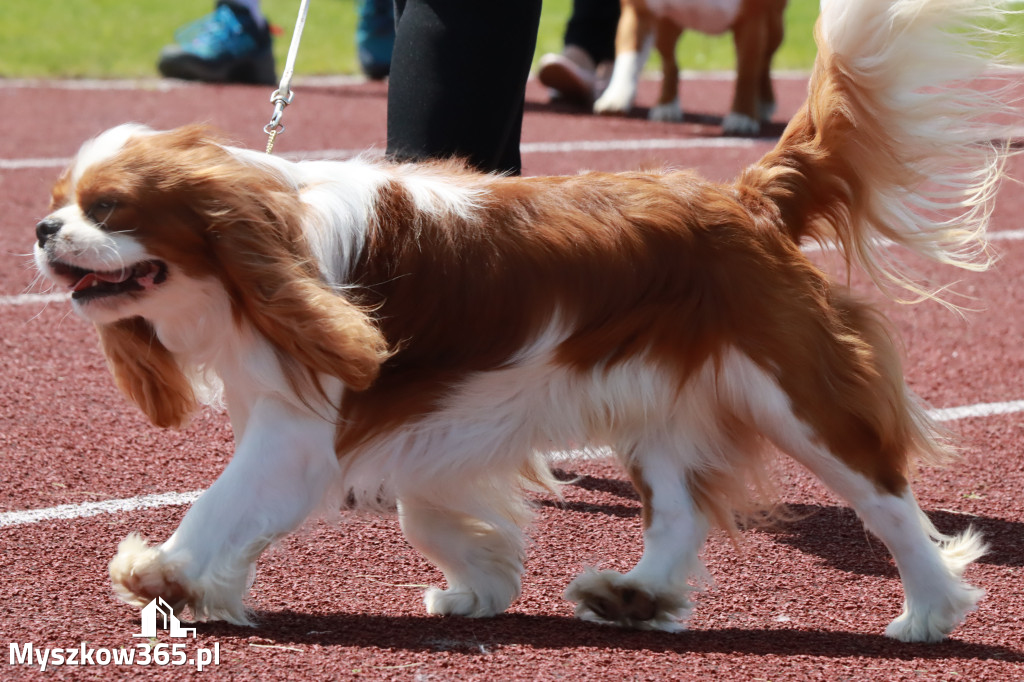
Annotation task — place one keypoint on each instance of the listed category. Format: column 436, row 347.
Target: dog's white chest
column 707, row 16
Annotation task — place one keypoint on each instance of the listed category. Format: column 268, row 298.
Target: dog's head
column 159, row 235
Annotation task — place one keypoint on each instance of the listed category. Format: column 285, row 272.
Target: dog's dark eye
column 99, row 211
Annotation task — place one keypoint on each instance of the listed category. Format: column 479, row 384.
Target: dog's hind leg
column 655, row 593
column 930, row 564
column 481, row 560
column 668, row 107
column 757, row 34
column 843, row 443
column 766, row 105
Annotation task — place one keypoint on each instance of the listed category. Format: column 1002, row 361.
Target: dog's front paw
column 610, row 597
column 460, row 601
column 614, row 101
column 141, row 573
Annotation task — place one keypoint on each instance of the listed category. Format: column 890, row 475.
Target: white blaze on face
column 105, row 146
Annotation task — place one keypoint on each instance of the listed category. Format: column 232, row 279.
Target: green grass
column 121, row 38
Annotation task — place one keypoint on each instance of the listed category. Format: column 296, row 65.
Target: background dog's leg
column 655, row 594
column 481, row 560
column 750, row 35
column 632, row 46
column 668, row 107
column 776, row 31
column 283, row 465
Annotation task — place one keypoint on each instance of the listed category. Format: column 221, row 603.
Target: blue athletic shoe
column 225, row 46
column 375, row 37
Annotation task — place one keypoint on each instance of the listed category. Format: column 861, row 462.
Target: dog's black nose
column 47, row 228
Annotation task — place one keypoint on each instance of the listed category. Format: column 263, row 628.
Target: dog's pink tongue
column 94, row 277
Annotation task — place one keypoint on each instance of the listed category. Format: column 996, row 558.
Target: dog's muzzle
column 46, row 228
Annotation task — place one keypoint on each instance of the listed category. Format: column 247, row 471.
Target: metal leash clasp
column 275, row 127
column 282, row 97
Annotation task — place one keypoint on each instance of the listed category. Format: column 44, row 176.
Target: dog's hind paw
column 934, row 622
column 610, row 597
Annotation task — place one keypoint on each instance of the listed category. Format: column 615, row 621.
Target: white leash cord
column 283, row 96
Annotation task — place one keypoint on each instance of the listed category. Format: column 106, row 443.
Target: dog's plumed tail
column 898, row 140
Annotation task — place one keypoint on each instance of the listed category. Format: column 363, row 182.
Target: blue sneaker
column 225, row 46
column 375, row 37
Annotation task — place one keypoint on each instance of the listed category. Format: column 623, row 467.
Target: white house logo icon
column 171, row 622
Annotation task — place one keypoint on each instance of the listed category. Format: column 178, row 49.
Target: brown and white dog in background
column 757, row 31
column 416, row 337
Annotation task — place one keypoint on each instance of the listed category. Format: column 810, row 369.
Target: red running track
column 806, row 600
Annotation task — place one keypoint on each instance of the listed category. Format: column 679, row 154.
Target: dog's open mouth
column 91, row 284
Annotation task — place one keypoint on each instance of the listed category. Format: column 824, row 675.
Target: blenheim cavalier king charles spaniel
column 419, row 336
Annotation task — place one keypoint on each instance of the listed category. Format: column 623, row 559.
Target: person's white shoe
column 569, row 75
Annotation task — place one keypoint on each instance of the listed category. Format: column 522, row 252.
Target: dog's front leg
column 632, row 46
column 655, row 595
column 481, row 559
column 284, row 463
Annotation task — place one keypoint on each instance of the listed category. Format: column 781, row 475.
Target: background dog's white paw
column 613, row 101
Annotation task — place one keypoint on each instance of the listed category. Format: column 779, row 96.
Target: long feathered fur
column 902, row 139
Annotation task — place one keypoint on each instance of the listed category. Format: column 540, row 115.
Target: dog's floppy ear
column 306, row 321
column 269, row 270
column 252, row 217
column 147, row 372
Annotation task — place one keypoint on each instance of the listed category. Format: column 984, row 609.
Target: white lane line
column 23, row 164
column 130, row 504
column 170, row 84
column 949, row 414
column 567, row 147
column 33, row 299
column 643, row 144
column 570, row 147
column 84, row 510
column 1005, row 235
